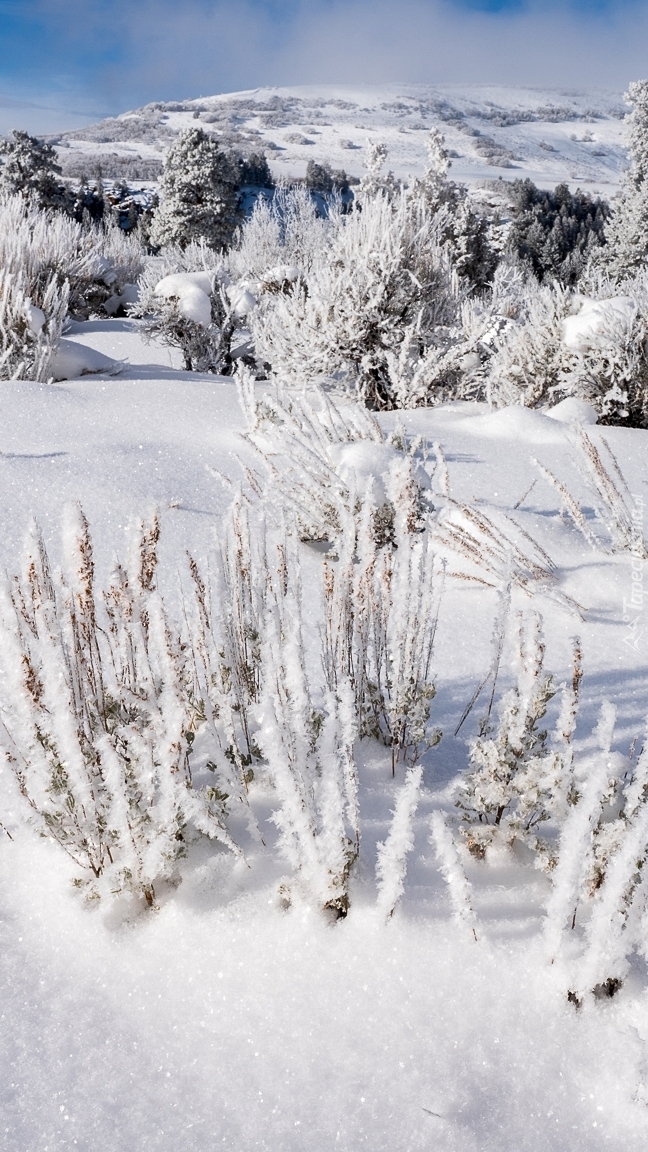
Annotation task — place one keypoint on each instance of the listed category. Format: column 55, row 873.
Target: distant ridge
column 549, row 135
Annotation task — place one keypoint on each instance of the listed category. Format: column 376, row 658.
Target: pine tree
column 554, row 233
column 199, row 194
column 463, row 232
column 30, row 168
column 626, row 250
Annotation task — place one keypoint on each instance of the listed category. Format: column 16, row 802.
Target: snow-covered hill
column 549, row 135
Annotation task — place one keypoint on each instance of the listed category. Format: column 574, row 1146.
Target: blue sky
column 63, row 62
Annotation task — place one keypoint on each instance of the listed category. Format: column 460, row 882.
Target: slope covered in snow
column 225, row 1020
column 549, row 135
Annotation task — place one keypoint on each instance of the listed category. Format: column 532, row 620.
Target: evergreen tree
column 555, row 232
column 627, row 231
column 30, row 167
column 199, row 194
column 463, row 232
column 254, row 170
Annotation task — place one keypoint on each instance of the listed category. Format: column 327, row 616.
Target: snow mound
column 192, row 290
column 73, row 360
column 516, row 423
column 241, row 299
column 364, row 466
column 597, row 317
column 35, row 318
column 573, row 411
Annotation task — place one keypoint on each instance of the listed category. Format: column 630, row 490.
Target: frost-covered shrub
column 187, row 301
column 96, row 717
column 565, row 344
column 225, row 605
column 324, row 460
column 386, row 280
column 307, row 738
column 198, row 194
column 391, row 863
column 599, row 881
column 509, row 792
column 96, row 261
column 616, row 509
column 31, row 321
column 283, row 232
column 381, row 611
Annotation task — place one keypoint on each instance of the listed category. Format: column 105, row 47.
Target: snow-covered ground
column 548, row 135
column 225, row 1021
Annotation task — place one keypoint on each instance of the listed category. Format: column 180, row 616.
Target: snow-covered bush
column 599, row 881
column 386, row 281
column 187, row 301
column 615, row 508
column 509, row 792
column 381, row 611
column 565, row 344
column 225, row 605
column 198, row 194
column 31, row 321
column 325, row 459
column 282, row 233
column 391, row 863
column 307, row 739
column 96, row 717
column 96, row 261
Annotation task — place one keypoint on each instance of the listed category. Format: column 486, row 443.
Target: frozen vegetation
column 323, row 709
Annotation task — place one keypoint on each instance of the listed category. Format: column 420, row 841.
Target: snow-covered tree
column 375, row 180
column 626, row 234
column 198, row 194
column 555, row 233
column 463, row 231
column 30, row 167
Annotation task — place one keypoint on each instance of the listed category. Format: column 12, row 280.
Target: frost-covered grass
column 239, row 1014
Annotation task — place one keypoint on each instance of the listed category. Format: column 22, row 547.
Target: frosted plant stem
column 575, row 847
column 453, row 872
column 391, row 865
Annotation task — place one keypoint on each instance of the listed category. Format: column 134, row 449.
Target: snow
column 573, row 411
column 364, row 465
column 224, row 1020
column 241, row 300
column 36, row 317
column 192, row 291
column 595, row 318
column 72, row 360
